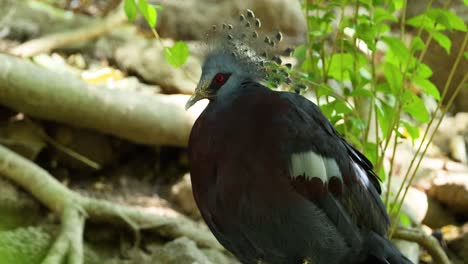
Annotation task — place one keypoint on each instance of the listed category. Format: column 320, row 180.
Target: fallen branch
column 149, row 119
column 73, row 207
column 427, row 242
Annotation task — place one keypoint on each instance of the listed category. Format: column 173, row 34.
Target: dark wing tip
column 365, row 164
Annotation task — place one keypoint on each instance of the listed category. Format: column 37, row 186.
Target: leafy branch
column 177, row 54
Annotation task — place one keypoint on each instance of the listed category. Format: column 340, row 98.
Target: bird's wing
column 328, row 171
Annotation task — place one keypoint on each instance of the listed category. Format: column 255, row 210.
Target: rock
column 94, row 146
column 180, row 251
column 25, row 20
column 458, row 149
column 181, row 195
column 410, row 249
column 444, row 133
column 145, row 58
column 438, row 215
column 216, row 256
column 452, row 136
column 181, row 19
column 457, row 240
column 415, row 205
column 451, row 189
column 424, row 176
column 461, row 122
column 24, row 137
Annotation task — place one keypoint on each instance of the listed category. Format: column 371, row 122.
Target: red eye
column 219, row 79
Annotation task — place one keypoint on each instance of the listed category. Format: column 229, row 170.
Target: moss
column 24, row 245
column 17, row 208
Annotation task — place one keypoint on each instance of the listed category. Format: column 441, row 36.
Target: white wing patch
column 311, row 164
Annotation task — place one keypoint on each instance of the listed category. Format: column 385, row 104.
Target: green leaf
column 130, row 10
column 382, row 28
column 324, row 89
column 439, row 16
column 366, row 32
column 177, row 54
column 336, row 120
column 143, row 6
column 381, row 15
column 385, row 115
column 414, row 106
column 300, row 52
column 333, row 109
column 381, row 173
column 466, row 54
column 443, row 41
column 421, row 21
column 357, row 142
column 307, row 65
column 370, row 151
column 340, row 65
column 397, row 4
column 417, row 44
column 327, row 109
column 405, row 220
column 366, row 2
column 394, row 77
column 466, row 2
column 428, row 87
column 447, row 18
column 365, row 74
column 413, row 131
column 358, row 123
column 397, row 47
column 384, row 88
column 342, row 108
column 423, row 71
column 360, row 91
column 149, row 12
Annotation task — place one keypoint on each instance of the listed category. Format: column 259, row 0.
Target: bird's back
column 243, row 187
column 272, row 178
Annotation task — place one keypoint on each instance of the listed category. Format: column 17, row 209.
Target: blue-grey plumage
column 273, row 179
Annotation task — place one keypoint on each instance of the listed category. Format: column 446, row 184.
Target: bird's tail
column 380, row 250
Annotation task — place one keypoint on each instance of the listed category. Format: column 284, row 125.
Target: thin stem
column 309, row 48
column 333, row 93
column 444, row 93
column 444, row 111
column 356, row 16
column 374, row 93
column 390, row 173
column 429, row 38
column 339, row 37
column 389, row 181
column 163, row 47
column 403, row 20
column 395, row 119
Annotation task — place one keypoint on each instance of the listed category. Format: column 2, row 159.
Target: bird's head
column 221, row 73
column 235, row 53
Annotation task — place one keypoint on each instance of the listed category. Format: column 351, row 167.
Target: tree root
column 70, row 239
column 74, row 208
column 62, row 39
column 156, row 119
column 426, row 241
